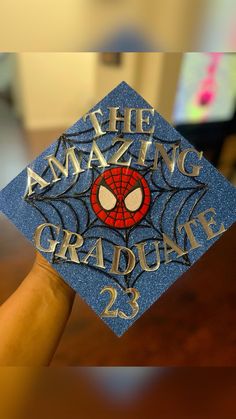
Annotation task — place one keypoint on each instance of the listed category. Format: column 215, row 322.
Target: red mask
column 120, row 197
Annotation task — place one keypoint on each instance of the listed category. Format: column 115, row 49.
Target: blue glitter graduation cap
column 121, row 205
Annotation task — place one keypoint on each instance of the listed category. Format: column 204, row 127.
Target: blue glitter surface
column 175, row 199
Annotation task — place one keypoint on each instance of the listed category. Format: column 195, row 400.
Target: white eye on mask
column 134, row 199
column 106, row 198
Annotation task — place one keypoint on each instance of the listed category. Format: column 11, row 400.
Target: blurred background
column 41, row 94
column 124, row 25
column 127, row 393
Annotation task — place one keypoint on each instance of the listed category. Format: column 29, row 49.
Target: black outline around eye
column 104, row 185
column 139, row 186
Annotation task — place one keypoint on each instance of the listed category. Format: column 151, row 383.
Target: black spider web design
column 93, row 228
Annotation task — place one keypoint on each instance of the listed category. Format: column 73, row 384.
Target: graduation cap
column 121, row 205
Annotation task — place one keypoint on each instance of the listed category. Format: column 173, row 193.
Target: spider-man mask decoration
column 120, row 197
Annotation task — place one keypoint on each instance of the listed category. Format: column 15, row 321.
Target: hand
column 33, row 319
column 44, row 270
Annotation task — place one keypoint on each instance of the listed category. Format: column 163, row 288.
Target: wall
column 80, row 24
column 54, row 90
column 41, row 25
column 109, row 76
